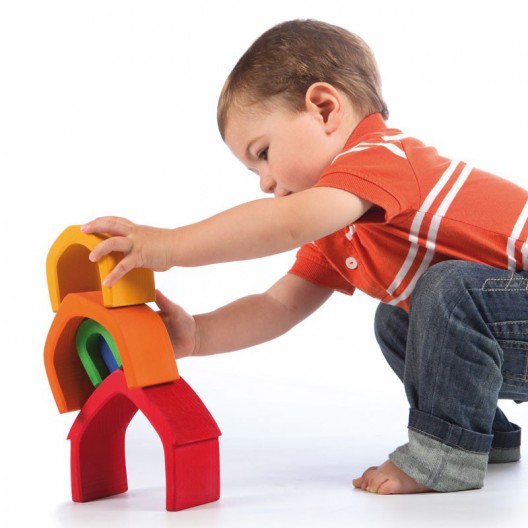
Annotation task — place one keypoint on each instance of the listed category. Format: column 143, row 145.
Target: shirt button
column 351, row 263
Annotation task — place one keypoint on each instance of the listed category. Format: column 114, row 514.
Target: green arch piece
column 88, row 348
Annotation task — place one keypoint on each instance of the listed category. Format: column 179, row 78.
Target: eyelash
column 263, row 154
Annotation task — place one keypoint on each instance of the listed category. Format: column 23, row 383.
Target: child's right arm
column 247, row 231
column 245, row 322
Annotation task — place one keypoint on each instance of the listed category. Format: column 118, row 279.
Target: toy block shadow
column 187, row 431
column 69, row 270
column 140, row 336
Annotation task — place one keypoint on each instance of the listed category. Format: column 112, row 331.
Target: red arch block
column 138, row 331
column 187, row 431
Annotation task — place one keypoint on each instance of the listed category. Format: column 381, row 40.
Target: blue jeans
column 462, row 346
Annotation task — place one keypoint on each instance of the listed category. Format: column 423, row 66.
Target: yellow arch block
column 69, row 270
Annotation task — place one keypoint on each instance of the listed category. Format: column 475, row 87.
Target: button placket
column 351, row 262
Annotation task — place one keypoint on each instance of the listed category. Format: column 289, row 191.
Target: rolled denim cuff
column 503, row 456
column 506, row 446
column 449, row 434
column 439, row 466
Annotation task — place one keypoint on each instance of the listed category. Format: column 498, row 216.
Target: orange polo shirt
column 427, row 208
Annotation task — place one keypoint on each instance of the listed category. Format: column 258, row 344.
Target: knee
column 391, row 324
column 389, row 321
column 442, row 283
column 382, row 319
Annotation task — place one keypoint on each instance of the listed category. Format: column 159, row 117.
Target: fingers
column 119, row 229
column 113, row 225
column 121, row 269
column 122, row 240
column 118, row 243
column 111, row 245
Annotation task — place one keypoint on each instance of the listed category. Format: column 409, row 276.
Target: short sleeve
column 375, row 171
column 312, row 265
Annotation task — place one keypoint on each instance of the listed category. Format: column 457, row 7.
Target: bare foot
column 388, row 479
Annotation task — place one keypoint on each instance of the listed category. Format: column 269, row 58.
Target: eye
column 263, row 154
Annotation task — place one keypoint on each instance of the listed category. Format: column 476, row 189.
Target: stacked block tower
column 109, row 355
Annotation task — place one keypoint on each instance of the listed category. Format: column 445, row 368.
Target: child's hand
column 180, row 325
column 142, row 246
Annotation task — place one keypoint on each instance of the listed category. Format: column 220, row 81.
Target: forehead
column 261, row 114
column 243, row 110
column 242, row 113
column 244, row 122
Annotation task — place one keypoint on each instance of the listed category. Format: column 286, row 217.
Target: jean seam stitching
column 445, row 451
column 507, row 287
column 503, row 289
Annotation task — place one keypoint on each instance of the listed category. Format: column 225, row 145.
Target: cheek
column 313, row 166
column 301, row 174
column 315, row 158
column 302, row 163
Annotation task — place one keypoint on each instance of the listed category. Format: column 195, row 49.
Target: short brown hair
column 288, row 58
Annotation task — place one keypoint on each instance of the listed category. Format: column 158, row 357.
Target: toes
column 376, row 482
column 389, row 487
column 388, row 479
column 372, row 480
column 362, row 482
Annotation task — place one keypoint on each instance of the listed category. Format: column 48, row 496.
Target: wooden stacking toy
column 109, row 355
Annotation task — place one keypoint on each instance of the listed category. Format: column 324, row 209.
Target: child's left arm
column 251, row 230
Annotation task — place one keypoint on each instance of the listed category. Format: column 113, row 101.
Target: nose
column 267, row 183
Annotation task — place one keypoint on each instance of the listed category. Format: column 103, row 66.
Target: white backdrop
column 108, row 107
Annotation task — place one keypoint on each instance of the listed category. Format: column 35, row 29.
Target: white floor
column 284, row 463
column 305, row 484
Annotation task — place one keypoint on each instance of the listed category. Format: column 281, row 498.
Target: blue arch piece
column 106, row 354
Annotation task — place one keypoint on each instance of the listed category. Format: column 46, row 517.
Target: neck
column 351, row 120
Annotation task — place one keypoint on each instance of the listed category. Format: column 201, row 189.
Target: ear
column 327, row 103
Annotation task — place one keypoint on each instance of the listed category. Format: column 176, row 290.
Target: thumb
column 164, row 303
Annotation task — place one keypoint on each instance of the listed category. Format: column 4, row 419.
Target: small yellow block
column 69, row 270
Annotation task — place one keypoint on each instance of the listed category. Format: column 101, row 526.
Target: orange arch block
column 139, row 333
column 69, row 270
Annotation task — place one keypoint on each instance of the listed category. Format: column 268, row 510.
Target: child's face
column 287, row 150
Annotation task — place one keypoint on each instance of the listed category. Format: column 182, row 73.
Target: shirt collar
column 369, row 125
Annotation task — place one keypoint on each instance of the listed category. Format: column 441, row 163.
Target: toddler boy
column 440, row 243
